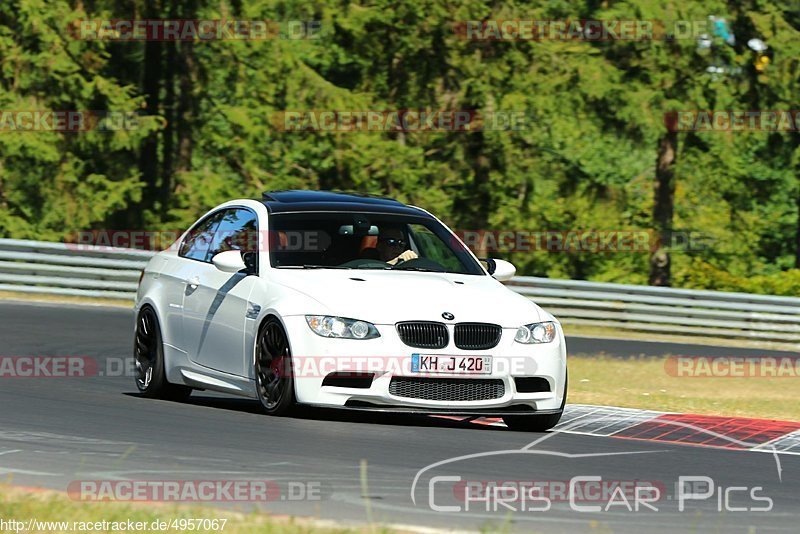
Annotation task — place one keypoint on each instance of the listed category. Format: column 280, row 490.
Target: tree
column 55, row 183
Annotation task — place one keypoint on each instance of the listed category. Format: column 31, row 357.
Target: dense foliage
column 596, row 155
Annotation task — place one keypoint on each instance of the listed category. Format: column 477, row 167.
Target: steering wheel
column 362, row 263
column 419, row 263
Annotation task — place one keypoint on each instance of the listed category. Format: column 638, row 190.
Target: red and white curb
column 736, row 433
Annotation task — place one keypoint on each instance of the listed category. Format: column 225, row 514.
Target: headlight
column 536, row 333
column 327, row 326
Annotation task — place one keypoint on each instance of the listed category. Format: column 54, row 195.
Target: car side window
column 237, row 230
column 196, row 244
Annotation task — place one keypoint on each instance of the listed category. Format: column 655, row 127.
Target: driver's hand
column 405, row 256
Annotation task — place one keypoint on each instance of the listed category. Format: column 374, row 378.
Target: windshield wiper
column 419, row 269
column 310, row 266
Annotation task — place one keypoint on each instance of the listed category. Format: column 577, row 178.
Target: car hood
column 386, row 297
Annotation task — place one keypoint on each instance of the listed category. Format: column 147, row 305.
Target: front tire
column 148, row 355
column 273, row 369
column 532, row 423
column 537, row 423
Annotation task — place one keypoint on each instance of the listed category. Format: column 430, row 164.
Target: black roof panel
column 301, row 200
column 299, row 195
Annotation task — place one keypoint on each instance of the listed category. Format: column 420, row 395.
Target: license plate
column 471, row 365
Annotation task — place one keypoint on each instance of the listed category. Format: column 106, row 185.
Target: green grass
column 644, row 383
column 22, row 504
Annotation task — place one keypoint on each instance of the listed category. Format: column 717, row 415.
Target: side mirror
column 251, row 262
column 501, row 270
column 229, row 261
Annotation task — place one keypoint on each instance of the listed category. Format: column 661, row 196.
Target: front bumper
column 387, row 357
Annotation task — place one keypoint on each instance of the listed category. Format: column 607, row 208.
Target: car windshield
column 366, row 241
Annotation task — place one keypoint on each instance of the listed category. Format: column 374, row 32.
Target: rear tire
column 273, row 369
column 537, row 423
column 148, row 355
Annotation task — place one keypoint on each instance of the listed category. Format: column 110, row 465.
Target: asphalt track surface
column 54, row 431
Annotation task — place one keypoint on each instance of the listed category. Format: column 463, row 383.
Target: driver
column 392, row 246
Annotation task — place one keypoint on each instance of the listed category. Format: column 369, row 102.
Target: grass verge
column 644, row 383
column 44, row 506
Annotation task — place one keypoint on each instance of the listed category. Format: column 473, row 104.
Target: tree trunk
column 663, row 209
column 3, row 202
column 151, row 85
column 186, row 106
column 474, row 201
column 795, row 138
column 168, row 134
column 797, row 236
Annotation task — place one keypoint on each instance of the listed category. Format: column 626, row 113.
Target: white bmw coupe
column 346, row 301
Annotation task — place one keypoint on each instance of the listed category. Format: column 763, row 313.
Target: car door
column 215, row 303
column 176, row 271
